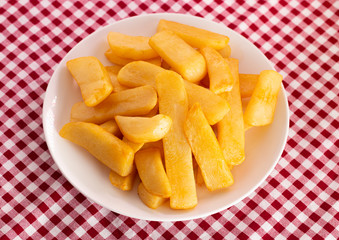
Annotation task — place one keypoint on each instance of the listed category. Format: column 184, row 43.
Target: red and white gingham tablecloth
column 299, row 200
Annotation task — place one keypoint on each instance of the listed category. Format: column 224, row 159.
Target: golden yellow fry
column 247, row 84
column 219, row 73
column 165, row 65
column 113, row 58
column 139, row 73
column 113, row 73
column 153, row 112
column 123, row 183
column 144, row 129
column 156, row 61
column 179, row 55
column 244, row 102
column 133, row 47
column 199, row 177
column 112, row 127
column 131, row 102
column 135, row 146
column 230, row 129
column 107, row 148
column 225, row 52
column 92, row 78
column 196, row 37
column 150, row 200
column 261, row 107
column 213, row 106
column 157, row 144
column 152, row 173
column 206, row 150
column 178, row 156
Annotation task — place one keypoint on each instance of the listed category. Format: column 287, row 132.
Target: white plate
column 264, row 145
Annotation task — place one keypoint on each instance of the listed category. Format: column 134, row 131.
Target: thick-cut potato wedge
column 244, row 102
column 112, row 127
column 131, row 102
column 199, row 178
column 230, row 129
column 144, row 129
column 92, row 78
column 153, row 112
column 113, row 58
column 113, row 73
column 206, row 150
column 178, row 156
column 133, row 47
column 152, row 173
column 139, row 73
column 225, row 52
column 159, row 145
column 135, row 146
column 261, row 107
column 165, row 65
column 149, row 199
column 124, row 183
column 106, row 147
column 219, row 72
column 213, row 106
column 183, row 58
column 196, row 37
column 156, row 61
column 247, row 84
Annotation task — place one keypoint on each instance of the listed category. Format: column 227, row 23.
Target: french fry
column 247, row 84
column 225, row 52
column 131, row 102
column 178, row 156
column 165, row 65
column 113, row 73
column 133, row 47
column 261, row 107
column 199, row 178
column 107, row 148
column 182, row 58
column 244, row 102
column 157, row 144
column 123, row 183
column 112, row 127
column 139, row 73
column 113, row 58
column 196, row 37
column 144, row 129
column 152, row 173
column 92, row 78
column 213, row 106
column 206, row 150
column 153, row 112
column 219, row 72
column 150, row 200
column 135, row 146
column 230, row 129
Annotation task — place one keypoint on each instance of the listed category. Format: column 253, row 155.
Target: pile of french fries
column 168, row 111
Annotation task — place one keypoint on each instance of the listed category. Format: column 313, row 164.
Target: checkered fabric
column 299, row 200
